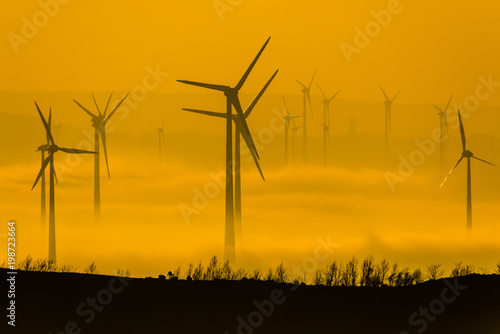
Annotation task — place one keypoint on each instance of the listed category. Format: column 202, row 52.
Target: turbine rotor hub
column 98, row 122
column 53, row 149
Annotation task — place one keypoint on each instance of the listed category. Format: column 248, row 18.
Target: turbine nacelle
column 42, row 148
column 467, row 154
column 99, row 122
column 289, row 117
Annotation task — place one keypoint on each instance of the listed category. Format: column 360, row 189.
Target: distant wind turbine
column 43, row 149
column 99, row 122
column 232, row 100
column 468, row 155
column 388, row 121
column 287, row 119
column 52, row 149
column 294, row 129
column 326, row 120
column 161, row 138
column 443, row 126
column 306, row 93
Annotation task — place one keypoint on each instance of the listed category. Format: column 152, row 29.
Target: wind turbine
column 443, row 126
column 326, row 131
column 161, row 138
column 326, row 120
column 294, row 129
column 52, row 148
column 306, row 92
column 237, row 163
column 232, row 100
column 388, row 111
column 468, row 155
column 287, row 119
column 43, row 149
column 99, row 122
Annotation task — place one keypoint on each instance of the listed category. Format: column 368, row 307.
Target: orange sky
column 428, row 51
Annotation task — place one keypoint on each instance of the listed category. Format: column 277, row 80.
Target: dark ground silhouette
column 62, row 303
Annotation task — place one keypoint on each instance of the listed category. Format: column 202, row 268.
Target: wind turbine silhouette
column 99, row 122
column 388, row 122
column 294, row 129
column 52, row 148
column 43, row 149
column 287, row 119
column 232, row 100
column 468, row 155
column 161, row 138
column 443, row 126
column 326, row 120
column 306, row 92
column 326, row 131
column 237, row 164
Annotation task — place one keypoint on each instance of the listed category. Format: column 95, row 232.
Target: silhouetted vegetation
column 46, row 265
column 462, row 270
column 434, row 272
column 369, row 273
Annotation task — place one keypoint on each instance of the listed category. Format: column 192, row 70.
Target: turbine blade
column 386, row 97
column 395, row 97
column 300, row 83
column 324, row 96
column 50, row 126
column 437, row 108
column 446, row 178
column 462, row 132
column 489, row 163
column 248, row 140
column 107, row 104
column 102, row 134
column 55, row 174
column 116, row 108
column 205, row 85
column 314, row 75
column 98, row 110
column 286, row 107
column 47, row 127
column 245, row 131
column 75, row 151
column 42, row 170
column 85, row 109
column 334, row 96
column 448, row 105
column 209, row 113
column 250, row 68
column 257, row 98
